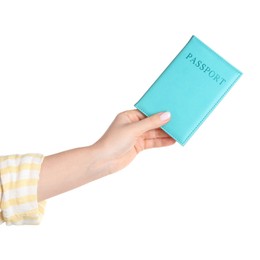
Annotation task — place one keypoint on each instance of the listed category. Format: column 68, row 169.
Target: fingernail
column 165, row 116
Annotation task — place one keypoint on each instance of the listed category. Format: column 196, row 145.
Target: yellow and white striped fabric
column 19, row 175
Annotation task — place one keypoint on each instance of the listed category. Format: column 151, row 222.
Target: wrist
column 99, row 165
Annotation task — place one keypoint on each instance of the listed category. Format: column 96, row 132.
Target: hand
column 130, row 133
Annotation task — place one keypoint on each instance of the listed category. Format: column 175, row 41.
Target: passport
column 190, row 88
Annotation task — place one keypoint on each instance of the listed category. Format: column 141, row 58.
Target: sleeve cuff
column 19, row 175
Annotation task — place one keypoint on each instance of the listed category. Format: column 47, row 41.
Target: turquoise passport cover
column 190, row 88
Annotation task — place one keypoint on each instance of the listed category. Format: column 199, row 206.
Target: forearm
column 67, row 170
column 128, row 134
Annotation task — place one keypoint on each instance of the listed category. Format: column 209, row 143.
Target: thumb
column 153, row 122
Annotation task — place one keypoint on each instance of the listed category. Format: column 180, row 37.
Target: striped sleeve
column 19, row 175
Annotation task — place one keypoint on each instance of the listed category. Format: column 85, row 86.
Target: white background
column 68, row 67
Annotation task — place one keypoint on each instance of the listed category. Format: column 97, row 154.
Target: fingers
column 152, row 122
column 158, row 142
column 155, row 133
column 156, row 138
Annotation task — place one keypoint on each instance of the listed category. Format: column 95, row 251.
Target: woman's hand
column 130, row 133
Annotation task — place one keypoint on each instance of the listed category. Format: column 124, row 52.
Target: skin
column 129, row 134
